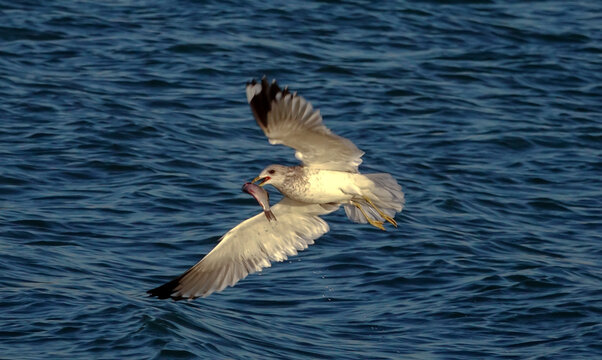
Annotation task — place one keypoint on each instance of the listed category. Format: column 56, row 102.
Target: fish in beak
column 262, row 197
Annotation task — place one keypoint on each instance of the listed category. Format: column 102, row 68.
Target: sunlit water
column 125, row 138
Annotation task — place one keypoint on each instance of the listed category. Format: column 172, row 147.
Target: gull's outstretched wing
column 289, row 119
column 249, row 247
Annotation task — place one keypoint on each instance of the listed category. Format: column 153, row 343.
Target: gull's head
column 274, row 175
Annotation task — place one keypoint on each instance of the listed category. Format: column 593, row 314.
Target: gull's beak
column 262, row 179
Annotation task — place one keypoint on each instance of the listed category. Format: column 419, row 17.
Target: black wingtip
column 261, row 103
column 166, row 290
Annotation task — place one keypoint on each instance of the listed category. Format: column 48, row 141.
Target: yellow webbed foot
column 378, row 224
column 381, row 213
column 375, row 223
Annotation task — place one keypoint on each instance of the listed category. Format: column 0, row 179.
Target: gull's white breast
column 326, row 186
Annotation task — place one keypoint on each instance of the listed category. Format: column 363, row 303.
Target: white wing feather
column 289, row 119
column 250, row 247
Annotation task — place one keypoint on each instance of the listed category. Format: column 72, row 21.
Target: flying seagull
column 327, row 178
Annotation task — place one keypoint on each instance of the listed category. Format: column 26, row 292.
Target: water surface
column 125, row 138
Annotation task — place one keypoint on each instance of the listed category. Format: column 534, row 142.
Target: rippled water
column 125, row 138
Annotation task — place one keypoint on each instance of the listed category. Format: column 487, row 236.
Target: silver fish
column 262, row 197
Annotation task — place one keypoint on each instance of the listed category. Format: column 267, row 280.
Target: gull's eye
column 271, row 171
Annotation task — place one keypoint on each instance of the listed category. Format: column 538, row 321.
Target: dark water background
column 125, row 138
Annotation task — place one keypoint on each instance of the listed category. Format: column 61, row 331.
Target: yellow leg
column 375, row 223
column 385, row 216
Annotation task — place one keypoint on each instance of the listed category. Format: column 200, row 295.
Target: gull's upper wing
column 289, row 119
column 249, row 247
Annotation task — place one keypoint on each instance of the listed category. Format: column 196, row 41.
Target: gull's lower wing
column 289, row 119
column 250, row 247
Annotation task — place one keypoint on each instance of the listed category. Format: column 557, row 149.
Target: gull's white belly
column 325, row 186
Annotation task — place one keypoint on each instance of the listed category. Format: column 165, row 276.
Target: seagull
column 327, row 178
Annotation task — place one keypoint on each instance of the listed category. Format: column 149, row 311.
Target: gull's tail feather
column 384, row 192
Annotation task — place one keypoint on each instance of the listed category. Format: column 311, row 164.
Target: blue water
column 125, row 137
